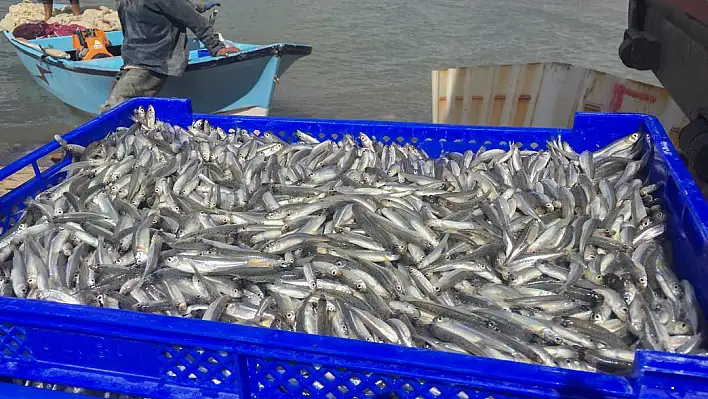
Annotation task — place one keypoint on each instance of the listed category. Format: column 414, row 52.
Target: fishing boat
column 241, row 83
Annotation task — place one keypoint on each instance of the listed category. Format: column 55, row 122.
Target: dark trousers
column 134, row 82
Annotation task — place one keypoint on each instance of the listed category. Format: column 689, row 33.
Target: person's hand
column 211, row 4
column 202, row 8
column 223, row 52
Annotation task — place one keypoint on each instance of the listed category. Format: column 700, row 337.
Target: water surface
column 371, row 59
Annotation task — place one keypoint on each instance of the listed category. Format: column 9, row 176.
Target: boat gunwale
column 278, row 50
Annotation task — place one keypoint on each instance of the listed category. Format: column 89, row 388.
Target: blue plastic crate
column 161, row 356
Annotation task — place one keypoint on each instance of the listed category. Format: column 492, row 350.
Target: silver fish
column 554, row 257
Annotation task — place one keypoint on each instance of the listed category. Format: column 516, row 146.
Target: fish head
column 622, row 313
column 278, row 214
column 285, row 265
column 360, row 285
column 677, row 289
column 659, row 217
column 552, row 336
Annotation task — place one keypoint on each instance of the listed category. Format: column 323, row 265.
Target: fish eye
column 597, row 317
column 436, row 288
column 676, row 287
column 568, row 361
column 339, row 263
column 642, row 280
column 558, row 340
column 334, row 272
column 172, row 259
column 360, row 286
column 624, row 310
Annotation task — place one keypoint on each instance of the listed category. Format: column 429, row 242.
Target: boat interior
column 197, row 51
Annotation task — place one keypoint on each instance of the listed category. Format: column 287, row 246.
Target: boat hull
column 242, row 84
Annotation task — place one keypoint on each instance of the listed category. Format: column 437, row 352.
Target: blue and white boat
column 241, row 83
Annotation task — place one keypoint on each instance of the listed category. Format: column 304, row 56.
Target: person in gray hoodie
column 155, row 44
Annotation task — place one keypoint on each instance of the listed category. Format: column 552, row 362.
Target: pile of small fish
column 551, row 257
